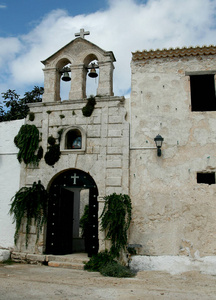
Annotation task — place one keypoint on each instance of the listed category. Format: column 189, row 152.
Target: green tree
column 15, row 107
column 34, row 95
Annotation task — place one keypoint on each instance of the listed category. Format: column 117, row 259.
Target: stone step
column 68, row 265
column 77, row 258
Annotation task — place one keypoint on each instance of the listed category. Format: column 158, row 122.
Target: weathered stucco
column 172, row 213
column 10, row 179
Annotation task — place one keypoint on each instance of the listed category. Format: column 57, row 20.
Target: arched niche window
column 73, row 140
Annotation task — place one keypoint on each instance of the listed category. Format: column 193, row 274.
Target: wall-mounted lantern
column 158, row 141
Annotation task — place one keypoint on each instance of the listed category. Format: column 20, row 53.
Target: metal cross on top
column 82, row 33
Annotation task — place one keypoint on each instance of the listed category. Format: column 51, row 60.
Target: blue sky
column 20, row 16
column 32, row 30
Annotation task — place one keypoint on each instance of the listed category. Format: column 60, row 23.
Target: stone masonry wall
column 172, row 213
column 106, row 157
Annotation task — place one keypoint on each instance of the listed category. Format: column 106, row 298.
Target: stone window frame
column 63, row 139
column 202, row 73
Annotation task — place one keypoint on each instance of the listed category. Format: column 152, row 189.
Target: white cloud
column 8, row 50
column 123, row 28
column 3, row 6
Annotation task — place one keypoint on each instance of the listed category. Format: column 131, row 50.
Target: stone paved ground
column 20, row 281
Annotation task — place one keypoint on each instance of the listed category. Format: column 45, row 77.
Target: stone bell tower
column 93, row 156
column 77, row 56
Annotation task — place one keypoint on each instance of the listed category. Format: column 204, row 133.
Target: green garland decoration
column 27, row 140
column 60, row 132
column 40, row 153
column 31, row 116
column 87, row 110
column 51, row 140
column 30, row 202
column 53, row 154
column 115, row 221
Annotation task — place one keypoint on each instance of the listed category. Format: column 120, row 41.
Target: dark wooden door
column 60, row 223
column 61, row 211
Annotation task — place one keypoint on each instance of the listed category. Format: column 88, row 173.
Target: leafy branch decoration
column 115, row 221
column 88, row 109
column 27, row 140
column 30, row 203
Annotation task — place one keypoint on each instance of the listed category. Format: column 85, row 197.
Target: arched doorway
column 69, row 192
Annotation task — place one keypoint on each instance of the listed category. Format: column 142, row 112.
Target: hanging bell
column 66, row 76
column 93, row 73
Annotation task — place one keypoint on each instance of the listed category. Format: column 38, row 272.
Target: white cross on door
column 74, row 177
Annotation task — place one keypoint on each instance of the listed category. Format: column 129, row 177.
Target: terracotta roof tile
column 173, row 52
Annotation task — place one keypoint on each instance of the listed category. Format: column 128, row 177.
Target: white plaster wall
column 9, row 178
column 174, row 264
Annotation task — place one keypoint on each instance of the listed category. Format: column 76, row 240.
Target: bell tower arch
column 78, row 53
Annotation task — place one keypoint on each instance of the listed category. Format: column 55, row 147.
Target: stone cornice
column 173, row 52
column 98, row 99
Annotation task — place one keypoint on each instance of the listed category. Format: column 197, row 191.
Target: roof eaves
column 174, row 52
